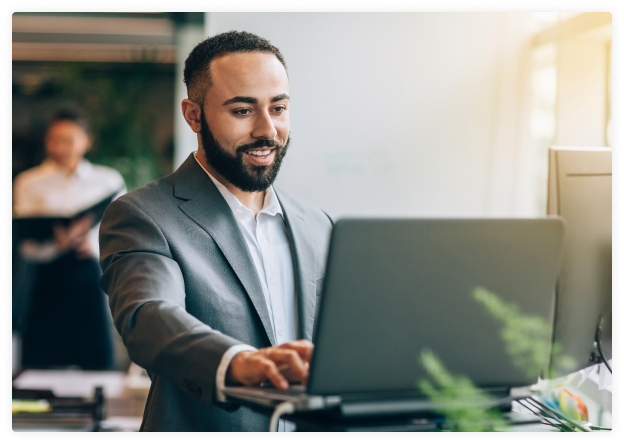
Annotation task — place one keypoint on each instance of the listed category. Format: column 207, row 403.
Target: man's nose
column 264, row 127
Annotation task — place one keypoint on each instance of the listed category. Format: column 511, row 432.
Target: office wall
column 403, row 114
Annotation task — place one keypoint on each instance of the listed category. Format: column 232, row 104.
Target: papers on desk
column 30, row 406
column 599, row 374
column 72, row 383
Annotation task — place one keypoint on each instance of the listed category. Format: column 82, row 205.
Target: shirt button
column 272, row 279
column 280, row 332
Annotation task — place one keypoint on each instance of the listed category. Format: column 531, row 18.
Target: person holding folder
column 66, row 320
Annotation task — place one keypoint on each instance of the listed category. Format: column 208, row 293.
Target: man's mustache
column 260, row 143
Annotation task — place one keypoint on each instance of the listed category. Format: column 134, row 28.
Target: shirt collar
column 82, row 171
column 271, row 205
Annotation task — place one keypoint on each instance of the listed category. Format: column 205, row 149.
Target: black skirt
column 68, row 320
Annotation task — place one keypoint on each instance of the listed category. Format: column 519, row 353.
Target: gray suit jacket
column 183, row 288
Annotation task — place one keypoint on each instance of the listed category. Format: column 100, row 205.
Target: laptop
column 396, row 287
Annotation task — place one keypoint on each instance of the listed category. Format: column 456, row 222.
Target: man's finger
column 269, row 369
column 85, row 223
column 293, row 362
column 87, row 219
column 81, row 225
column 61, row 237
column 302, row 346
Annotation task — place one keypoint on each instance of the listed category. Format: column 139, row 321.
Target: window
column 570, row 86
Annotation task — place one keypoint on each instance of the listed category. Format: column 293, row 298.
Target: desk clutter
column 76, row 400
column 32, row 408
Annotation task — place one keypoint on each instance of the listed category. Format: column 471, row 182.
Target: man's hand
column 84, row 248
column 287, row 362
column 74, row 235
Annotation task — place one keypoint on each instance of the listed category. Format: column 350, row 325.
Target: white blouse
column 51, row 190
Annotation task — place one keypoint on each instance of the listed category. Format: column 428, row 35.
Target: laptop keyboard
column 269, row 392
column 292, row 390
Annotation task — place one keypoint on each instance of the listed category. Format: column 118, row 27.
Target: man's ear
column 192, row 114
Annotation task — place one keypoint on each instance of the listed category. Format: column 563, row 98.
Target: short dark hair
column 71, row 115
column 196, row 67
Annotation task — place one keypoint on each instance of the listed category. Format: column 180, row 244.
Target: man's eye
column 280, row 109
column 242, row 112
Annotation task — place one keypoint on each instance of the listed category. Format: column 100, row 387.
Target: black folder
column 42, row 228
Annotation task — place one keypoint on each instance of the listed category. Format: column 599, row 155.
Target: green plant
column 527, row 341
column 457, row 399
column 527, row 338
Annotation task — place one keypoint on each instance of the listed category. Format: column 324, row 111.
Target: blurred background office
column 393, row 114
column 119, row 70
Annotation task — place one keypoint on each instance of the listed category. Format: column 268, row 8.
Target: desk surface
column 125, row 408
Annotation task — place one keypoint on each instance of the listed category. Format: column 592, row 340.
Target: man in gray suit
column 212, row 273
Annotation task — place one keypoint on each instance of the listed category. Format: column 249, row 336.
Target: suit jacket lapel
column 206, row 207
column 305, row 263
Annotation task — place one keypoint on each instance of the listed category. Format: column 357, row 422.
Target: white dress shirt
column 51, row 190
column 267, row 238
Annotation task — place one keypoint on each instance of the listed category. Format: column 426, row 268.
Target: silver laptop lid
column 394, row 288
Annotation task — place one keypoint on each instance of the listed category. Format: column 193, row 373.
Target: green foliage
column 527, row 337
column 457, row 399
column 527, row 340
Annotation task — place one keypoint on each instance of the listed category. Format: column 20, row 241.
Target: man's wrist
column 224, row 365
column 229, row 376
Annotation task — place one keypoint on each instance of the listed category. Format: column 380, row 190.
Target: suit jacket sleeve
column 147, row 299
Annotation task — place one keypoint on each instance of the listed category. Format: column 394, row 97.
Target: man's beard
column 246, row 178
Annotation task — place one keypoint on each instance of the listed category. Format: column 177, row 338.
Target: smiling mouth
column 259, row 153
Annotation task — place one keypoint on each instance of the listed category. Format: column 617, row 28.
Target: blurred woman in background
column 67, row 318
